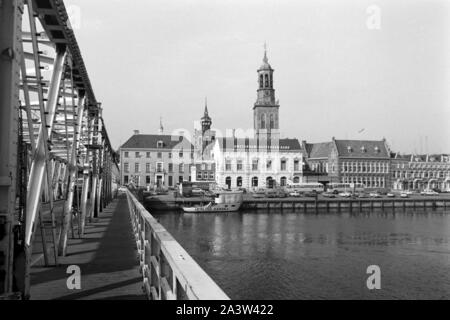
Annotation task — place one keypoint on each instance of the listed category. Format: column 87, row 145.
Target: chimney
column 136, row 132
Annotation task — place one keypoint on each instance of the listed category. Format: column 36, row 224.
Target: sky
column 345, row 69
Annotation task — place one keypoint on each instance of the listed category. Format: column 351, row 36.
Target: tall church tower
column 206, row 120
column 265, row 110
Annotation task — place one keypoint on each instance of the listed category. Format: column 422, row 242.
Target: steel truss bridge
column 58, row 169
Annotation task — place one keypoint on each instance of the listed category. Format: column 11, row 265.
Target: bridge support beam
column 84, row 198
column 36, row 182
column 10, row 59
column 71, row 182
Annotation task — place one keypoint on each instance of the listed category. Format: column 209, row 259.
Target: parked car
column 345, row 194
column 375, row 195
column 311, row 194
column 329, row 195
column 294, row 194
column 259, row 193
column 196, row 192
column 271, row 194
column 391, row 195
column 363, row 195
column 404, row 195
column 429, row 193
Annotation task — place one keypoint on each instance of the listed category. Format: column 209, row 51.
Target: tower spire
column 161, row 128
column 265, row 60
column 206, row 106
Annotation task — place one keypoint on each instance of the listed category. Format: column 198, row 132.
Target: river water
column 287, row 255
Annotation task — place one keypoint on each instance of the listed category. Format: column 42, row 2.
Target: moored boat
column 226, row 201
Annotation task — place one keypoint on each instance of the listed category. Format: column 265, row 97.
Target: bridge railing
column 168, row 271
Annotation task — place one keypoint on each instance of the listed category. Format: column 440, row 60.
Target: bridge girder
column 51, row 115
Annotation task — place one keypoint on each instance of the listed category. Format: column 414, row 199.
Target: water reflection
column 287, row 255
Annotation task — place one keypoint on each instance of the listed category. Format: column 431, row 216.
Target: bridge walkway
column 107, row 258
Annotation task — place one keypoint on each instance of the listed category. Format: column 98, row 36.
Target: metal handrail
column 168, row 271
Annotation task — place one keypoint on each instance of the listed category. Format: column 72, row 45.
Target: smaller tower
column 161, row 128
column 206, row 120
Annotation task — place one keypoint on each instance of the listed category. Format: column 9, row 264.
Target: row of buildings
column 263, row 159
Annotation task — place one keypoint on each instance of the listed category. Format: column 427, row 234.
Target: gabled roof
column 362, row 149
column 150, row 141
column 318, row 150
column 348, row 149
column 286, row 144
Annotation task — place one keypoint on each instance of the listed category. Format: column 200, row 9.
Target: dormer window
column 377, row 149
column 363, row 149
column 159, row 144
column 349, row 149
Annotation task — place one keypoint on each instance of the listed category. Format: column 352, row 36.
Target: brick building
column 419, row 172
column 350, row 161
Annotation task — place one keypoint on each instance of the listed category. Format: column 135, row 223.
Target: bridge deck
column 107, row 258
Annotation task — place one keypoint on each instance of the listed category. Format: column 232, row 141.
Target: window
column 266, row 78
column 147, row 179
column 228, row 165
column 170, row 167
column 181, row 168
column 192, row 155
column 159, row 155
column 170, row 155
column 263, row 121
column 296, row 179
column 199, row 175
column 136, row 167
column 148, row 155
column 159, row 167
column 296, row 165
column 239, row 181
column 228, row 182
column 255, row 164
column 170, row 181
column 180, row 154
column 269, row 165
column 261, row 81
column 147, row 167
column 137, row 155
column 203, row 166
column 211, row 176
column 180, row 179
column 272, row 124
column 283, row 181
column 239, row 165
column 254, row 181
column 126, row 154
column 125, row 179
column 126, row 167
column 283, row 164
column 205, row 175
column 159, row 144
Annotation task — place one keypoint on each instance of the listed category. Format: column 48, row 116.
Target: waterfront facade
column 262, row 160
column 419, row 172
column 156, row 160
column 351, row 161
column 252, row 163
